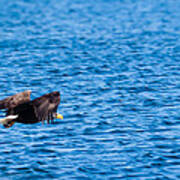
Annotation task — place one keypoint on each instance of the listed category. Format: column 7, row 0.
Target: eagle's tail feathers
column 8, row 121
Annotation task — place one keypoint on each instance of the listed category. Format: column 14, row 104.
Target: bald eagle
column 20, row 108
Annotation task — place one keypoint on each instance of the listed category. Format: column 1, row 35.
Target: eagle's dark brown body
column 29, row 111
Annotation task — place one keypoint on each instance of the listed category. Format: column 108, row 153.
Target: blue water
column 117, row 66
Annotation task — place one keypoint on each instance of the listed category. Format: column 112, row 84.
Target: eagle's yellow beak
column 59, row 116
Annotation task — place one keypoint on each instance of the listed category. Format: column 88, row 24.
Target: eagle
column 21, row 109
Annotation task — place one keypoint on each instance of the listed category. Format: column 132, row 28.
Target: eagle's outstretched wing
column 13, row 101
column 46, row 105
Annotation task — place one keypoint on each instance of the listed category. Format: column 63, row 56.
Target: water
column 116, row 64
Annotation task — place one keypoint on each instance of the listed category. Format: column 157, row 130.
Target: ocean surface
column 117, row 66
